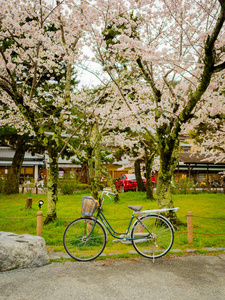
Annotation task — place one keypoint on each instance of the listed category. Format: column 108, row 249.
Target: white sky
column 87, row 77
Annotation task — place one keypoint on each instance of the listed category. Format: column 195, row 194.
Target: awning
column 25, row 163
column 69, row 166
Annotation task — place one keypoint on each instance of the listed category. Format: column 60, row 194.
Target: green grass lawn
column 208, row 218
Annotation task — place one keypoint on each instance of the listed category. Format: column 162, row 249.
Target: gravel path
column 180, row 277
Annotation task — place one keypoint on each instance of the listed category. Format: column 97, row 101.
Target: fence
column 189, row 217
column 189, row 225
column 189, row 231
column 194, row 190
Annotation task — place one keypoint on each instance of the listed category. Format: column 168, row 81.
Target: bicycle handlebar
column 107, row 193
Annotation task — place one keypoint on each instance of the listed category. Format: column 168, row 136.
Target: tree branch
column 219, row 68
column 150, row 80
column 209, row 61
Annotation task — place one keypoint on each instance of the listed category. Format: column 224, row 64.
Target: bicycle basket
column 89, row 205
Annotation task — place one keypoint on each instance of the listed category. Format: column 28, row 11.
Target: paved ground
column 182, row 277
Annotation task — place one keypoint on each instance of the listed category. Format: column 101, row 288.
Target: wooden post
column 89, row 226
column 39, row 223
column 140, row 227
column 121, row 189
column 28, row 203
column 36, row 190
column 136, row 188
column 190, row 227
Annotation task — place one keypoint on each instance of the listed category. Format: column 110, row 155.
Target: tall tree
column 39, row 43
column 175, row 47
column 93, row 133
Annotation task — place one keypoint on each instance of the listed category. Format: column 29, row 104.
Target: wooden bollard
column 189, row 227
column 89, row 226
column 28, row 203
column 136, row 188
column 39, row 223
column 140, row 227
column 121, row 189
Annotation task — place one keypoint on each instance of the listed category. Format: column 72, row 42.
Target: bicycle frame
column 124, row 235
column 115, row 234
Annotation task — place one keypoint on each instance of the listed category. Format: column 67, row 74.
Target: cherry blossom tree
column 93, row 132
column 175, row 48
column 39, row 44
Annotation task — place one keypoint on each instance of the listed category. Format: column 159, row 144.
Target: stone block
column 210, row 249
column 191, row 250
column 21, row 251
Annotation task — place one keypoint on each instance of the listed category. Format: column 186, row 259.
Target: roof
column 123, row 161
column 64, row 163
column 183, row 144
column 196, row 158
column 7, row 153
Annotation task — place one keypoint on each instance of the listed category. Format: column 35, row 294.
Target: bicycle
column 151, row 234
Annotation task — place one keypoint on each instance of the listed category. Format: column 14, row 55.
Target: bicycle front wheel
column 81, row 242
column 152, row 237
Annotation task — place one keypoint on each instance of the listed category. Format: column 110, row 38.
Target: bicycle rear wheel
column 154, row 238
column 78, row 244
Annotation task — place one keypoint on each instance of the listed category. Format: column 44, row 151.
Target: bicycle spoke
column 81, row 242
column 161, row 239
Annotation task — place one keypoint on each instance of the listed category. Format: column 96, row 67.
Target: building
column 190, row 165
column 34, row 164
column 198, row 167
column 31, row 166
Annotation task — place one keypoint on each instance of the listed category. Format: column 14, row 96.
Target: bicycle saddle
column 135, row 207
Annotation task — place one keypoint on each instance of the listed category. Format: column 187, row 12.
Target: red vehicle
column 127, row 182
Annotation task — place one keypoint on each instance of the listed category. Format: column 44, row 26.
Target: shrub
column 184, row 186
column 2, row 184
column 68, row 184
column 82, row 187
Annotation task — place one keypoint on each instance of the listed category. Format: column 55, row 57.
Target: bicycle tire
column 76, row 244
column 161, row 240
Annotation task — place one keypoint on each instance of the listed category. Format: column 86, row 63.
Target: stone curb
column 60, row 255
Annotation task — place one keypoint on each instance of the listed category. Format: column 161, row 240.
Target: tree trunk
column 111, row 183
column 94, row 186
column 168, row 162
column 94, row 159
column 140, row 183
column 12, row 184
column 52, row 181
column 148, row 169
column 97, row 160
